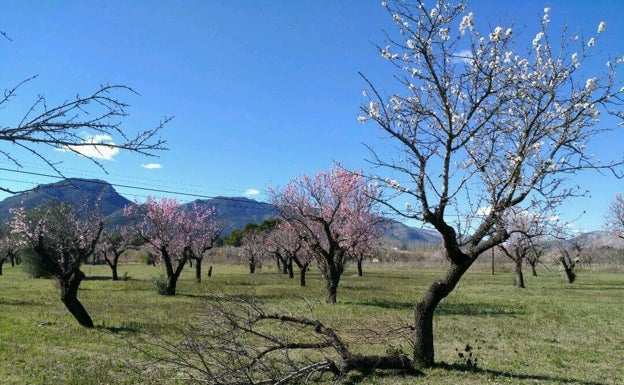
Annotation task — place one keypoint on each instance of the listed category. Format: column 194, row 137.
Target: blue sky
column 261, row 91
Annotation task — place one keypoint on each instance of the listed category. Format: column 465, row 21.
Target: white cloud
column 96, row 146
column 464, row 56
column 152, row 166
column 251, row 192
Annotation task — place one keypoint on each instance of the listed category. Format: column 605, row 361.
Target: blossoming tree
column 525, row 230
column 482, row 126
column 615, row 215
column 330, row 212
column 64, row 237
column 287, row 246
column 172, row 232
column 113, row 244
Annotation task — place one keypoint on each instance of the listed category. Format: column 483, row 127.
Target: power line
column 201, row 196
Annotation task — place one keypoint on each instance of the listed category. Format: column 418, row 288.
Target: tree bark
column 69, row 297
column 198, row 267
column 331, row 283
column 359, row 267
column 302, row 276
column 424, row 310
column 252, row 266
column 1, row 263
column 519, row 280
column 210, row 271
column 291, row 273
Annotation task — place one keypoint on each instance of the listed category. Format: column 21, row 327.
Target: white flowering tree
column 482, row 125
column 615, row 215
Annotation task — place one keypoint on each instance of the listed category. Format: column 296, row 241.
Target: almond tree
column 113, row 244
column 481, row 126
column 285, row 243
column 615, row 215
column 173, row 233
column 524, row 229
column 330, row 212
column 64, row 238
column 201, row 230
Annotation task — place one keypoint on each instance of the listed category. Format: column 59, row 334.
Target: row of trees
column 328, row 218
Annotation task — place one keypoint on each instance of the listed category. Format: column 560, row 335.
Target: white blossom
column 590, row 83
column 497, row 34
column 601, row 26
column 467, row 22
column 411, row 44
column 591, row 42
column 362, row 119
column 537, row 39
column 547, row 10
column 373, row 109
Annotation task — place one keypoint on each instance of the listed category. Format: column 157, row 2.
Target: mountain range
column 234, row 212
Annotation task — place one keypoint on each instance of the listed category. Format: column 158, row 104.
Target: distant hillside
column 404, row 237
column 234, row 212
column 72, row 191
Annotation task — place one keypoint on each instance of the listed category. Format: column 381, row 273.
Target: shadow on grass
column 358, row 378
column 468, row 309
column 515, row 376
column 127, row 329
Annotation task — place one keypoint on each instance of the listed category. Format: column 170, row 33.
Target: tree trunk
column 302, row 276
column 252, row 266
column 568, row 267
column 198, row 263
column 359, row 267
column 69, row 297
column 114, row 270
column 210, row 271
column 332, row 278
column 533, row 270
column 1, row 263
column 519, row 280
column 291, row 273
column 424, row 310
column 172, row 275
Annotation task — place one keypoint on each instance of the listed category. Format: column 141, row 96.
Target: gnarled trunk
column 424, row 310
column 69, row 295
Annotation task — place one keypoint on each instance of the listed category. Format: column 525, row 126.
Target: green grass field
column 549, row 333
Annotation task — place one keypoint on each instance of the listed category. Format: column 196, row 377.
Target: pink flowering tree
column 201, row 230
column 615, row 215
column 482, row 121
column 64, row 238
column 173, row 233
column 329, row 212
column 113, row 244
column 285, row 244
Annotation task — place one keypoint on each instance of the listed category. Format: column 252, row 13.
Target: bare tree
column 87, row 125
column 481, row 127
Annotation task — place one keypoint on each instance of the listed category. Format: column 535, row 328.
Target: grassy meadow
column 551, row 332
